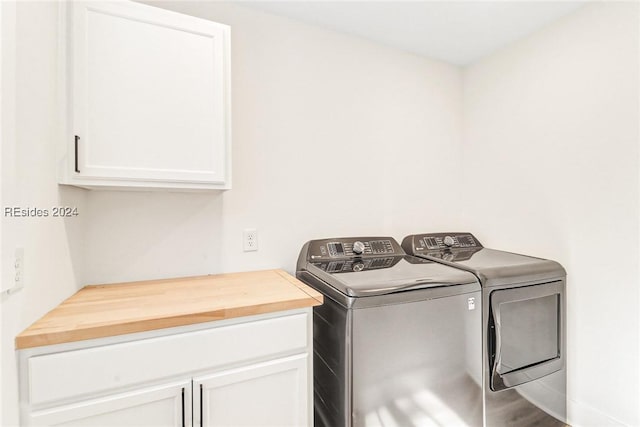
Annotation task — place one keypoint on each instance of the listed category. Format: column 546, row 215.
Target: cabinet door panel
column 148, row 94
column 165, row 406
column 266, row 394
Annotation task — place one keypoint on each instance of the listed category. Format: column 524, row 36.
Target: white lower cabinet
column 266, row 394
column 163, row 406
column 253, row 371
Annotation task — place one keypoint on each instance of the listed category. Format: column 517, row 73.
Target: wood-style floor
column 508, row 409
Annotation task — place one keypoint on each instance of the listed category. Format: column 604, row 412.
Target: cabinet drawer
column 90, row 371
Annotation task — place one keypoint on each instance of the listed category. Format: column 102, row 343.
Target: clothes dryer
column 523, row 327
column 396, row 338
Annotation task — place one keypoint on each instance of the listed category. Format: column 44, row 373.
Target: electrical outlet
column 250, row 239
column 18, row 273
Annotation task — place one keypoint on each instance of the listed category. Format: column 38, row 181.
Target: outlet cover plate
column 250, row 240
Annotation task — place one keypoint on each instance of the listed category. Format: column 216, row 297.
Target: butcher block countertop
column 99, row 311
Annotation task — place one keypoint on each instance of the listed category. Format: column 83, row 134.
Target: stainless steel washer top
column 375, row 267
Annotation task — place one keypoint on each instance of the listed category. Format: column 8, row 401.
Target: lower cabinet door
column 272, row 393
column 163, row 406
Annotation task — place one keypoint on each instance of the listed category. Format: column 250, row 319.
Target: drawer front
column 82, row 373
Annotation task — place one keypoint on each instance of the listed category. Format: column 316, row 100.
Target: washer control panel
column 421, row 243
column 353, row 247
column 357, row 264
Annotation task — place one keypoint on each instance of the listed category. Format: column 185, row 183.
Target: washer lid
column 372, row 274
column 357, row 278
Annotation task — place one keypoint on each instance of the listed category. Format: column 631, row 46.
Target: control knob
column 448, row 241
column 358, row 247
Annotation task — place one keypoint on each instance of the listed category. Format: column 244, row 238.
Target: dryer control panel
column 447, row 246
column 353, row 247
column 445, row 240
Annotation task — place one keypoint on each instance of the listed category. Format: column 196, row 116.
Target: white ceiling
column 452, row 31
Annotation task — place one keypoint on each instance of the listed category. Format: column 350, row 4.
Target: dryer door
column 525, row 333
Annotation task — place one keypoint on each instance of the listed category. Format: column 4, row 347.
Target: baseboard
column 582, row 415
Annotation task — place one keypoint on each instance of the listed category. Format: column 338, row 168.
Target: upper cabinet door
column 150, row 98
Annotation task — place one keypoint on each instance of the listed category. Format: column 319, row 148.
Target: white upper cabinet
column 149, row 94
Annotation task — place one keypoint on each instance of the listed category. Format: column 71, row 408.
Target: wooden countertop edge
column 304, row 288
column 142, row 325
column 29, row 338
column 153, row 282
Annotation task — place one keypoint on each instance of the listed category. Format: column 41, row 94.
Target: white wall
column 317, row 118
column 3, row 94
column 551, row 147
column 52, row 246
column 331, row 136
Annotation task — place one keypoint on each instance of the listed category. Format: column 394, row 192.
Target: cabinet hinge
column 77, row 169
